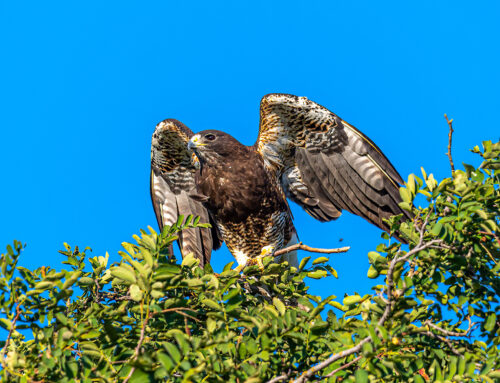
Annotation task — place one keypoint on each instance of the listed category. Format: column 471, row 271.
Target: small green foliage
column 148, row 318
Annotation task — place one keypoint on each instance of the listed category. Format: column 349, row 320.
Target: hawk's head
column 213, row 146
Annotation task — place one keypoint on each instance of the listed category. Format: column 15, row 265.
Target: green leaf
column 135, row 292
column 489, row 324
column 320, row 260
column 338, row 306
column 182, row 341
column 361, row 376
column 123, row 273
column 232, row 293
column 165, row 360
column 168, row 269
column 189, row 260
column 303, row 263
column 372, row 272
column 212, row 304
column 140, row 376
column 376, row 259
column 228, row 266
column 129, row 248
column 172, row 351
column 85, row 281
column 317, row 274
column 242, row 350
column 271, row 310
column 350, row 300
column 405, row 195
column 44, row 285
column 180, row 219
column 437, row 229
column 6, row 324
column 211, row 325
column 279, row 305
column 494, row 374
column 62, row 318
column 71, row 278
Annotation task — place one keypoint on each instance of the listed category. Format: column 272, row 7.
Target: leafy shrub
column 434, row 317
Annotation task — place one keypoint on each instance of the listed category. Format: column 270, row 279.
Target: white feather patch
column 240, row 257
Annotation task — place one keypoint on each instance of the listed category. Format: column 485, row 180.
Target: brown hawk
column 303, row 152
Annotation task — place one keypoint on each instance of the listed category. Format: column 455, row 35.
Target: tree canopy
column 433, row 314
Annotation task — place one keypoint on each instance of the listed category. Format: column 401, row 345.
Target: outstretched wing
column 172, row 180
column 323, row 163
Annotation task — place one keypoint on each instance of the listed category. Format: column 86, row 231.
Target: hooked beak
column 195, row 142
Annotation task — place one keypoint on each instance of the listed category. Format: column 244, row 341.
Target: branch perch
column 301, row 246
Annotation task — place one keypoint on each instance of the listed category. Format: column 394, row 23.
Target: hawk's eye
column 210, row 137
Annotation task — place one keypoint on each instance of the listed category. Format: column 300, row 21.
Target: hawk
column 304, row 152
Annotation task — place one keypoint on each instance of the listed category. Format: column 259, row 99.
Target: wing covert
column 325, row 164
column 172, row 180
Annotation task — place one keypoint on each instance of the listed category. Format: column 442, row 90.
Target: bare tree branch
column 305, row 376
column 445, row 340
column 301, row 246
column 355, row 360
column 450, row 133
column 450, row 333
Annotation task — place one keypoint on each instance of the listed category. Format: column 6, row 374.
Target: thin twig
column 301, row 246
column 305, row 376
column 355, row 360
column 488, row 233
column 186, row 327
column 129, row 375
column 97, row 298
column 450, row 134
column 138, row 347
column 450, row 333
column 487, row 252
column 280, row 378
column 177, row 310
column 421, row 246
column 445, row 340
column 115, row 296
column 12, row 329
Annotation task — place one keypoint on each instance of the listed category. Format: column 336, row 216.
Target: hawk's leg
column 244, row 261
column 266, row 250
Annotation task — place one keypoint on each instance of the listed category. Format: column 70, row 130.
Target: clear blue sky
column 84, row 83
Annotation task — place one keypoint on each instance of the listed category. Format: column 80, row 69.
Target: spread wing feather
column 172, row 180
column 325, row 164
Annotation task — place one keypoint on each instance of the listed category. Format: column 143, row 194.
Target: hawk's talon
column 266, row 250
column 259, row 263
